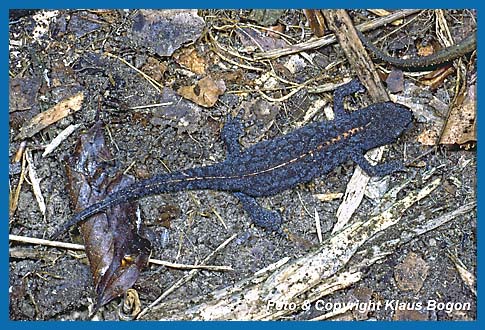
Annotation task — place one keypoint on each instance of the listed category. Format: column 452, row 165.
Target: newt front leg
column 270, row 220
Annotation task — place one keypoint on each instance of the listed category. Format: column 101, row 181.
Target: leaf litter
column 113, row 240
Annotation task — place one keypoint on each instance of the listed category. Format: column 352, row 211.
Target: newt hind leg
column 381, row 169
column 270, row 220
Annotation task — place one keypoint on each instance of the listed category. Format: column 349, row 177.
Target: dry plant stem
column 442, row 28
column 236, row 63
column 328, row 87
column 52, row 115
column 44, row 242
column 14, row 198
column 283, row 98
column 330, row 39
column 356, row 269
column 35, row 182
column 218, row 49
column 59, row 138
column 71, row 246
column 148, row 106
column 467, row 277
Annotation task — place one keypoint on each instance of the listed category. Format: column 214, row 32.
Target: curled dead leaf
column 190, row 59
column 205, row 93
column 114, row 246
column 460, row 127
column 131, row 305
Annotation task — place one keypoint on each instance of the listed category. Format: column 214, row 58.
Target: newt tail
column 444, row 55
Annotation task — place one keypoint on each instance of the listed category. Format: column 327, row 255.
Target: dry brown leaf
column 411, row 273
column 461, row 125
column 113, row 243
column 164, row 31
column 395, row 81
column 436, row 78
column 315, row 21
column 429, row 137
column 279, row 28
column 190, row 59
column 205, row 93
column 52, row 115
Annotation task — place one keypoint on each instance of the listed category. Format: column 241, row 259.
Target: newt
column 282, row 163
column 444, row 55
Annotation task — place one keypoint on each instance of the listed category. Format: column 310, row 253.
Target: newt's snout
column 401, row 118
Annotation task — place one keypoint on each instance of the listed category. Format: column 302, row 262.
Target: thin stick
column 147, row 106
column 71, row 246
column 236, row 63
column 15, row 198
column 45, row 242
column 59, row 138
column 283, row 98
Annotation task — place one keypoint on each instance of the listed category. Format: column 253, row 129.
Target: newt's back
column 275, row 165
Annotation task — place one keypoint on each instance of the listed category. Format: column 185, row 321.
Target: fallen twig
column 35, row 182
column 330, row 39
column 71, row 246
column 59, row 138
column 14, row 198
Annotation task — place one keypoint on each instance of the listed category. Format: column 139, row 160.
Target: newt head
column 384, row 123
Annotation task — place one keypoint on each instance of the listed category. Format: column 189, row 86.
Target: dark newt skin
column 282, row 163
column 444, row 55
